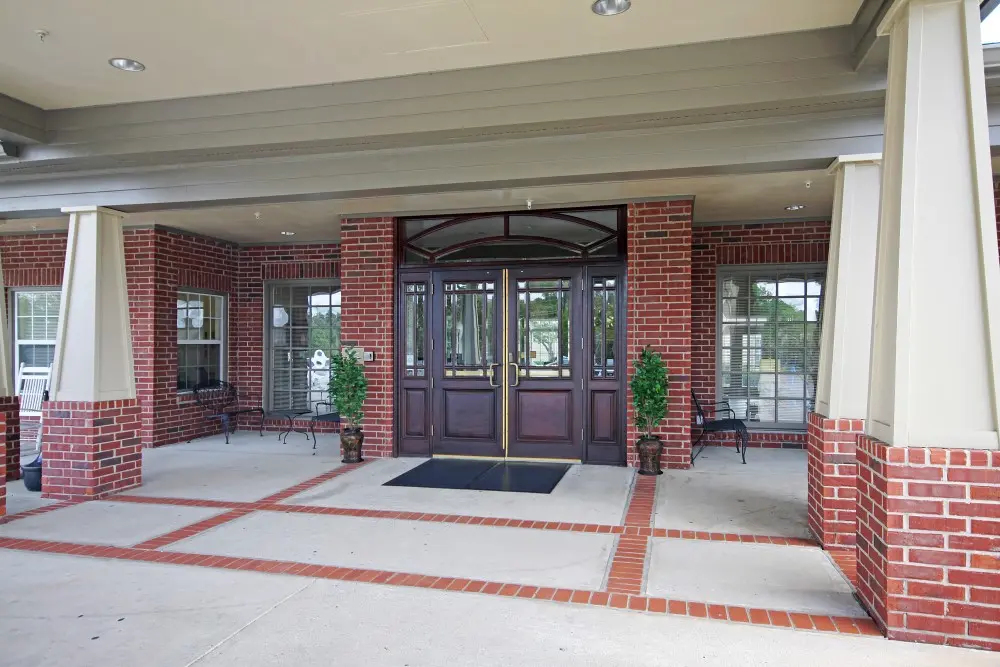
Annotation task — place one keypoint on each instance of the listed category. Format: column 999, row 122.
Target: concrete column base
column 91, row 450
column 928, row 542
column 833, row 475
column 10, row 407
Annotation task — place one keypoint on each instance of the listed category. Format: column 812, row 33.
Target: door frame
column 412, row 426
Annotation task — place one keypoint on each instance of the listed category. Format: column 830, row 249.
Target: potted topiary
column 348, row 389
column 649, row 400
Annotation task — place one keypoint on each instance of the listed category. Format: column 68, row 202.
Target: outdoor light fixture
column 611, row 7
column 795, row 207
column 126, row 64
column 288, row 233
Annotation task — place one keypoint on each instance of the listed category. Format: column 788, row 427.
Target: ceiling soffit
column 241, row 45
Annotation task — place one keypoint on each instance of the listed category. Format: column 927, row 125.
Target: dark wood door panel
column 414, row 418
column 468, row 414
column 604, row 418
column 544, row 416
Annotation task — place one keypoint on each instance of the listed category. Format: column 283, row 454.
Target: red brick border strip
column 193, row 529
column 38, row 510
column 628, row 566
column 736, row 614
column 285, row 494
column 635, row 531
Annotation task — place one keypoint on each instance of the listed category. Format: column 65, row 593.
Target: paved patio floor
column 216, row 562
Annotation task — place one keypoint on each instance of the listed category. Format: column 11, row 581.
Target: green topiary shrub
column 649, row 392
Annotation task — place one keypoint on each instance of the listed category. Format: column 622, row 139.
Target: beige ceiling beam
column 730, row 147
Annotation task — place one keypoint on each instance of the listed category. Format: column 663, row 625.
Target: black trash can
column 31, row 473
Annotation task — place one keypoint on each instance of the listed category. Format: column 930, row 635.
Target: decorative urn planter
column 649, row 456
column 351, row 440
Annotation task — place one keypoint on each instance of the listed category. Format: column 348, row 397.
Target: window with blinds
column 768, row 339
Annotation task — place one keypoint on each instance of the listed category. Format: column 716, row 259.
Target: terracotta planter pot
column 649, row 456
column 351, row 440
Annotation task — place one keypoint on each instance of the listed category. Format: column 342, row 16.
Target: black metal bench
column 728, row 424
column 224, row 402
column 329, row 417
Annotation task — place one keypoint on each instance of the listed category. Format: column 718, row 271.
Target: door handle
column 517, row 373
column 493, row 375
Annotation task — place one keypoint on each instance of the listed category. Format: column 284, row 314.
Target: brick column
column 3, row 475
column 367, row 285
column 832, row 480
column 10, row 408
column 92, row 449
column 659, row 314
column 929, row 542
column 91, row 429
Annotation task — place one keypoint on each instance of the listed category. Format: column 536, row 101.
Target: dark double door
column 521, row 365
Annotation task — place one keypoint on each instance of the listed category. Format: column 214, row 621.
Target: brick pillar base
column 90, row 450
column 10, row 407
column 833, row 476
column 929, row 542
column 3, row 475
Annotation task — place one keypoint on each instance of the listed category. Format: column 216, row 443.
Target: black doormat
column 514, row 477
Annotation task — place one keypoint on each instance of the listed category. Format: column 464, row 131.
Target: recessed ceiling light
column 288, row 233
column 795, row 207
column 127, row 64
column 611, row 7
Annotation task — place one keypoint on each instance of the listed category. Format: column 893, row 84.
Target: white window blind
column 768, row 339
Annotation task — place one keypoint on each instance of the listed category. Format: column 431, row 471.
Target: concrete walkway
column 216, row 562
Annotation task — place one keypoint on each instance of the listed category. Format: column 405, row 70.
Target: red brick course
column 659, row 315
column 10, row 409
column 3, row 473
column 91, row 450
column 367, row 298
column 833, row 474
column 929, row 542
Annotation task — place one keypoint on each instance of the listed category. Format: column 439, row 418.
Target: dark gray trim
column 987, row 7
column 870, row 50
column 20, row 121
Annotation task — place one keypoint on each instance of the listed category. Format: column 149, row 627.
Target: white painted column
column 934, row 345
column 93, row 358
column 845, row 350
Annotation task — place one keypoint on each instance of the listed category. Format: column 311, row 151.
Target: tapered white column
column 845, row 351
column 93, row 358
column 934, row 348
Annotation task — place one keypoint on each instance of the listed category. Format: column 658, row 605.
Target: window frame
column 222, row 342
column 723, row 271
column 267, row 379
column 12, row 309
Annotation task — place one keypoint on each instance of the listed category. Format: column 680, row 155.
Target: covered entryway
column 510, row 329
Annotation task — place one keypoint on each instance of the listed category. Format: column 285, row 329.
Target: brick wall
column 255, row 266
column 659, row 314
column 742, row 244
column 928, row 542
column 368, row 284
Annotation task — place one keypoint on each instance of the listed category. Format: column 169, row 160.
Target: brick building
column 784, row 213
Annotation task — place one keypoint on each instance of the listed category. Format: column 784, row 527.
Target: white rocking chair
column 32, row 383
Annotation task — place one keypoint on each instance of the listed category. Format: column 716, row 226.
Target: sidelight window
column 603, row 292
column 768, row 342
column 415, row 330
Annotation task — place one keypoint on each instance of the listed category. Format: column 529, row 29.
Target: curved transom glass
column 529, row 235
